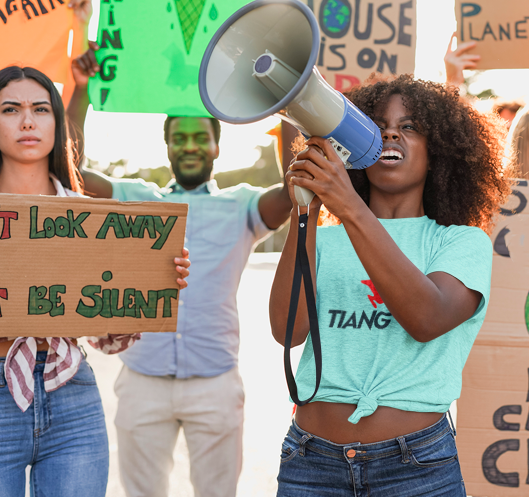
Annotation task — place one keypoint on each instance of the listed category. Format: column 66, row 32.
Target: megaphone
column 261, row 62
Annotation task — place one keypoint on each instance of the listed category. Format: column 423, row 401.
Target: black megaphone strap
column 302, row 269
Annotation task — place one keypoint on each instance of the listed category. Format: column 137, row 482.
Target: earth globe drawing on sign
column 335, row 17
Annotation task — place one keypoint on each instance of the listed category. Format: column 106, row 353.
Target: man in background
column 189, row 379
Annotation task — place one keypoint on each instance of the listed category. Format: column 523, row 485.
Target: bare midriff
column 5, row 346
column 329, row 421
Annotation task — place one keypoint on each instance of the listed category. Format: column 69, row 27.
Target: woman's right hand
column 292, row 173
column 85, row 66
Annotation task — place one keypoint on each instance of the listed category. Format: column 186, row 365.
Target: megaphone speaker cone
column 261, row 62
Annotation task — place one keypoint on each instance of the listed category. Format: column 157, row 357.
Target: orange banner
column 36, row 33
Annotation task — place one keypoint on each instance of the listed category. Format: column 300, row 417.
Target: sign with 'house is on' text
column 358, row 37
column 79, row 266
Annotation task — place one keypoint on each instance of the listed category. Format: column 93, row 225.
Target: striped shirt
column 64, row 357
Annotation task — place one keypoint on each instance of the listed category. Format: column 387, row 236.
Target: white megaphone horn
column 261, row 62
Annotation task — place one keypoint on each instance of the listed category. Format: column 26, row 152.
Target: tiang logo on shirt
column 375, row 298
column 378, row 319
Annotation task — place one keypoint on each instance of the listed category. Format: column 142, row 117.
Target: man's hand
column 458, row 60
column 82, row 10
column 182, row 268
column 85, row 66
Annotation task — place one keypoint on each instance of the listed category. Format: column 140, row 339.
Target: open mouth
column 391, row 156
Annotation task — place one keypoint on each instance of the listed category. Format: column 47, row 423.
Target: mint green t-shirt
column 368, row 358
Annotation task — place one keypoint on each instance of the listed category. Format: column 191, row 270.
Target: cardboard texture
column 359, row 37
column 501, row 30
column 86, row 267
column 493, row 411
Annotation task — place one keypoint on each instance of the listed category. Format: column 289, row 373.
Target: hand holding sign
column 85, row 66
column 114, row 273
column 459, row 59
column 182, row 268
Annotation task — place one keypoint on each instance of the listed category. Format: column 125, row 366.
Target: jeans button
column 351, row 453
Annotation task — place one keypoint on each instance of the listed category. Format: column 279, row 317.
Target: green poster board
column 151, row 51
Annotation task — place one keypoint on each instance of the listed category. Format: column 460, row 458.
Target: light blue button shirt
column 222, row 227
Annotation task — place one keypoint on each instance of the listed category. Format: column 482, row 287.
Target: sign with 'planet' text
column 76, row 266
column 500, row 30
column 359, row 37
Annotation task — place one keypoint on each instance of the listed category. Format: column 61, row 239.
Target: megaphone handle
column 303, row 196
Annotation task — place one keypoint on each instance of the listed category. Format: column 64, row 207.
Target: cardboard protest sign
column 80, row 266
column 360, row 37
column 35, row 33
column 500, row 29
column 151, row 52
column 493, row 411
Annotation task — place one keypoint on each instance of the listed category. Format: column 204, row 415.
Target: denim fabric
column 424, row 463
column 62, row 436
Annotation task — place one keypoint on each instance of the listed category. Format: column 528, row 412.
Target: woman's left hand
column 330, row 181
column 182, row 268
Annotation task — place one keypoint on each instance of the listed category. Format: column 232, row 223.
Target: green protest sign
column 151, row 52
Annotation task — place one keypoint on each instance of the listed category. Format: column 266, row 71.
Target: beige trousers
column 151, row 410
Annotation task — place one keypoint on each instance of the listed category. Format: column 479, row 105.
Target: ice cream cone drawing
column 189, row 12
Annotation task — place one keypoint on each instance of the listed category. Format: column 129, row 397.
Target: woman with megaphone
column 402, row 282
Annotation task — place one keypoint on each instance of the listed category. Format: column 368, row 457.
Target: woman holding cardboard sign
column 50, row 413
column 403, row 280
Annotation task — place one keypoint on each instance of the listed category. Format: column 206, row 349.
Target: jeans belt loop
column 452, row 423
column 302, row 443
column 404, row 450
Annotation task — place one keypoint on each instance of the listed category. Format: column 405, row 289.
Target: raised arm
column 83, row 68
column 275, row 204
column 457, row 60
column 426, row 306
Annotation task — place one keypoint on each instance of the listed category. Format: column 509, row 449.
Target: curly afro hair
column 468, row 180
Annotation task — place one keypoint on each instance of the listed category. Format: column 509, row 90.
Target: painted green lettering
column 90, row 291
column 114, row 302
column 111, row 221
column 148, row 308
column 62, row 227
column 106, row 312
column 37, row 302
column 49, row 227
column 167, row 295
column 75, row 224
column 129, row 302
column 130, row 225
column 163, row 229
column 33, row 229
column 57, row 306
column 148, row 224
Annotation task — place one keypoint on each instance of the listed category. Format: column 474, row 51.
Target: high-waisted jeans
column 62, row 436
column 424, row 463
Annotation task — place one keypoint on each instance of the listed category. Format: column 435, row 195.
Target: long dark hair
column 61, row 158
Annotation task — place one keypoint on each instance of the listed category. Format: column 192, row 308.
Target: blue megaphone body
column 261, row 62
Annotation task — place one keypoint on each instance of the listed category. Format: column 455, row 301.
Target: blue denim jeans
column 423, row 463
column 62, row 436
